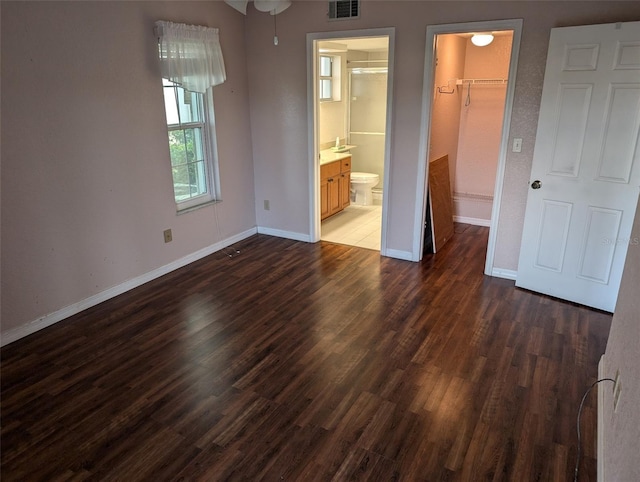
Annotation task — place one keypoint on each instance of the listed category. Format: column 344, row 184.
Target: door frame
column 425, row 132
column 312, row 123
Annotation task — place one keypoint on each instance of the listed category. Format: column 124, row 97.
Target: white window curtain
column 190, row 55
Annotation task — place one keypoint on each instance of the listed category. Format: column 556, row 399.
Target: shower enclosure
column 367, row 117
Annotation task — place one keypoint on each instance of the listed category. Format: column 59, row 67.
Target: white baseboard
column 504, row 273
column 31, row 327
column 474, row 221
column 600, row 422
column 398, row 254
column 284, row 234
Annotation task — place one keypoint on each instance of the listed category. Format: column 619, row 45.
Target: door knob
column 536, row 184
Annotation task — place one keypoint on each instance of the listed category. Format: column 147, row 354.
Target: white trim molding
column 398, row 254
column 504, row 273
column 31, row 327
column 473, row 221
column 279, row 233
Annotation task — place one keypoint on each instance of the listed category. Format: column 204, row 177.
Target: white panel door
column 585, row 176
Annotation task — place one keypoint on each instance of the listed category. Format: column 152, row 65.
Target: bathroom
column 352, row 115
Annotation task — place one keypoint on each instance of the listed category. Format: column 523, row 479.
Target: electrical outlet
column 266, row 205
column 168, row 237
column 616, row 393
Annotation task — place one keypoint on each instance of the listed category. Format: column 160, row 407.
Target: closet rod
column 481, row 81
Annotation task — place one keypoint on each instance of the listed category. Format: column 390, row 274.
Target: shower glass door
column 367, row 119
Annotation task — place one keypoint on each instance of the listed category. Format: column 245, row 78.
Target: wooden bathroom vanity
column 335, row 184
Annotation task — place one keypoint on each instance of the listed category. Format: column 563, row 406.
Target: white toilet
column 361, row 183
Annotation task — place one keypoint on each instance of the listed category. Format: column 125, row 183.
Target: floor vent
column 339, row 9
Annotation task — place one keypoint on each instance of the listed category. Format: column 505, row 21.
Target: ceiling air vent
column 344, row 9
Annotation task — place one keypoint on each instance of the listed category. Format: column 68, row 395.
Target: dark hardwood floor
column 304, row 362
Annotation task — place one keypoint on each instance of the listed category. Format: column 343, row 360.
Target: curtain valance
column 190, row 55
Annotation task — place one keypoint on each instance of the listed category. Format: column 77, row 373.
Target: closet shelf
column 481, row 81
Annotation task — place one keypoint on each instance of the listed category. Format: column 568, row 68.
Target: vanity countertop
column 327, row 155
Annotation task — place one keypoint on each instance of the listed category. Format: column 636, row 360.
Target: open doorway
column 353, row 112
column 466, row 124
column 350, row 80
column 467, row 103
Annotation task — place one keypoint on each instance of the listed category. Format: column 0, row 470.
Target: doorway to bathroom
column 350, row 94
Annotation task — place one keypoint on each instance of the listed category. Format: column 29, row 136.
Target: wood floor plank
column 297, row 361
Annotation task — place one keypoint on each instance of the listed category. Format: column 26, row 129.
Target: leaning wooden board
column 441, row 205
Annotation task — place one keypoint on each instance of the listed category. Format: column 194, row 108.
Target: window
column 326, row 78
column 190, row 145
column 191, row 64
column 329, row 88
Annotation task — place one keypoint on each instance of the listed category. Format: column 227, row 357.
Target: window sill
column 197, row 206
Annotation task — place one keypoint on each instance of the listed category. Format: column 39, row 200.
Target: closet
column 470, row 84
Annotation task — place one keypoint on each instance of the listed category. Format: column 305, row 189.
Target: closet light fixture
column 481, row 39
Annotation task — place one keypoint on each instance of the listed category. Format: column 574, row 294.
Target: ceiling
column 496, row 33
column 365, row 44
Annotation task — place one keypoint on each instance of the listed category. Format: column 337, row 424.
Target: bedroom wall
column 86, row 182
column 622, row 427
column 278, row 89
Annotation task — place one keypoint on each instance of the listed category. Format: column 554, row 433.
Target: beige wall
column 481, row 120
column 622, row 428
column 278, row 83
column 86, row 182
column 445, row 112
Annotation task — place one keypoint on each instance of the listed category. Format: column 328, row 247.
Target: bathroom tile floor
column 355, row 225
